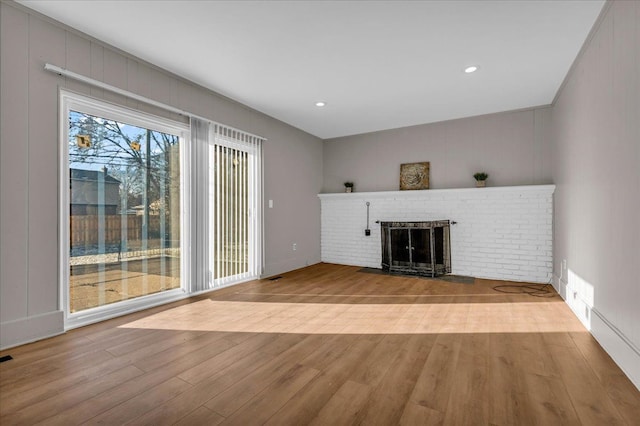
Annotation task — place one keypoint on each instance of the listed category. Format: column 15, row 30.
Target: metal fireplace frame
column 432, row 262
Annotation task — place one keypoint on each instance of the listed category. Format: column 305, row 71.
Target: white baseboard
column 619, row 347
column 29, row 329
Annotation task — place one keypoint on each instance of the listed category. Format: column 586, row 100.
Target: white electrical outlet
column 270, row 204
column 294, row 246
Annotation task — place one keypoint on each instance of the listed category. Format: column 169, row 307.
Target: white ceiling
column 377, row 64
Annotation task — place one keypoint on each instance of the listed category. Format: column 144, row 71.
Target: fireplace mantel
column 500, row 232
column 428, row 193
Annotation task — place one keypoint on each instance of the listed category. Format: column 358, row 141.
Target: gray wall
column 29, row 161
column 595, row 135
column 509, row 146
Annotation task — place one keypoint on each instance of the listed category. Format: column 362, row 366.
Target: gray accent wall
column 595, row 137
column 29, row 149
column 511, row 147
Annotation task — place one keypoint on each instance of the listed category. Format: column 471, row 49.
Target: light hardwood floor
column 326, row 345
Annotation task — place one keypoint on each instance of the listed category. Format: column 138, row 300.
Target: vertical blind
column 227, row 218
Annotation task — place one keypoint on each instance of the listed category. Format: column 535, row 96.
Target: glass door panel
column 421, row 247
column 124, row 212
column 400, row 255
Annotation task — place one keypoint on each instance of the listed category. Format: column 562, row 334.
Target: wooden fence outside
column 87, row 230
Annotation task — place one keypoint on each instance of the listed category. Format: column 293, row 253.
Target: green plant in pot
column 348, row 187
column 481, row 179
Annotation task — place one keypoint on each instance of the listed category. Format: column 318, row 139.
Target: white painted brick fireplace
column 501, row 232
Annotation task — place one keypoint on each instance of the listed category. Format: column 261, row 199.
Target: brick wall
column 501, row 233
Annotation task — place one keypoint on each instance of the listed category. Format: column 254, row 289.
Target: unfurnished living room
column 320, row 212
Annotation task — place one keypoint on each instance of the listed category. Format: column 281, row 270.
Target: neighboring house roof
column 91, row 175
column 93, row 187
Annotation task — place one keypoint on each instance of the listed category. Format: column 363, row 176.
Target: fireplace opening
column 421, row 248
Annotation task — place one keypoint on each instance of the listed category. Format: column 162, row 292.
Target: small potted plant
column 481, row 179
column 348, row 187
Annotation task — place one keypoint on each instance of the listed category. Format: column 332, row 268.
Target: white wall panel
column 115, row 73
column 46, row 44
column 96, row 67
column 14, row 171
column 132, row 81
column 78, row 57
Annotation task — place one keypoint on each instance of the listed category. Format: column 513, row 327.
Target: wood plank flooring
column 326, row 345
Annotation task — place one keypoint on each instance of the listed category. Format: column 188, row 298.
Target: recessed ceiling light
column 471, row 69
column 320, row 104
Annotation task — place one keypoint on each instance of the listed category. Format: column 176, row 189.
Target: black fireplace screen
column 421, row 248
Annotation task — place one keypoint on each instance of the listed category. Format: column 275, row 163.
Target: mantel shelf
column 425, row 193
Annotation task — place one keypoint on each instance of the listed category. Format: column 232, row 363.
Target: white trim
column 73, row 101
column 614, row 342
column 425, row 193
column 30, row 329
column 105, row 312
column 166, row 297
column 123, row 114
column 617, row 345
column 261, row 226
column 186, row 199
column 619, row 333
column 63, row 206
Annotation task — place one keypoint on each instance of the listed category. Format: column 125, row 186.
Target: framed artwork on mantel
column 414, row 176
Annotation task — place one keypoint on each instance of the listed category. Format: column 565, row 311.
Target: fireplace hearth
column 420, row 248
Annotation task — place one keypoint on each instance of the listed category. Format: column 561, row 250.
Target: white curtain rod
column 93, row 82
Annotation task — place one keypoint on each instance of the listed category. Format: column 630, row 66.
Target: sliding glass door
column 151, row 209
column 122, row 197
